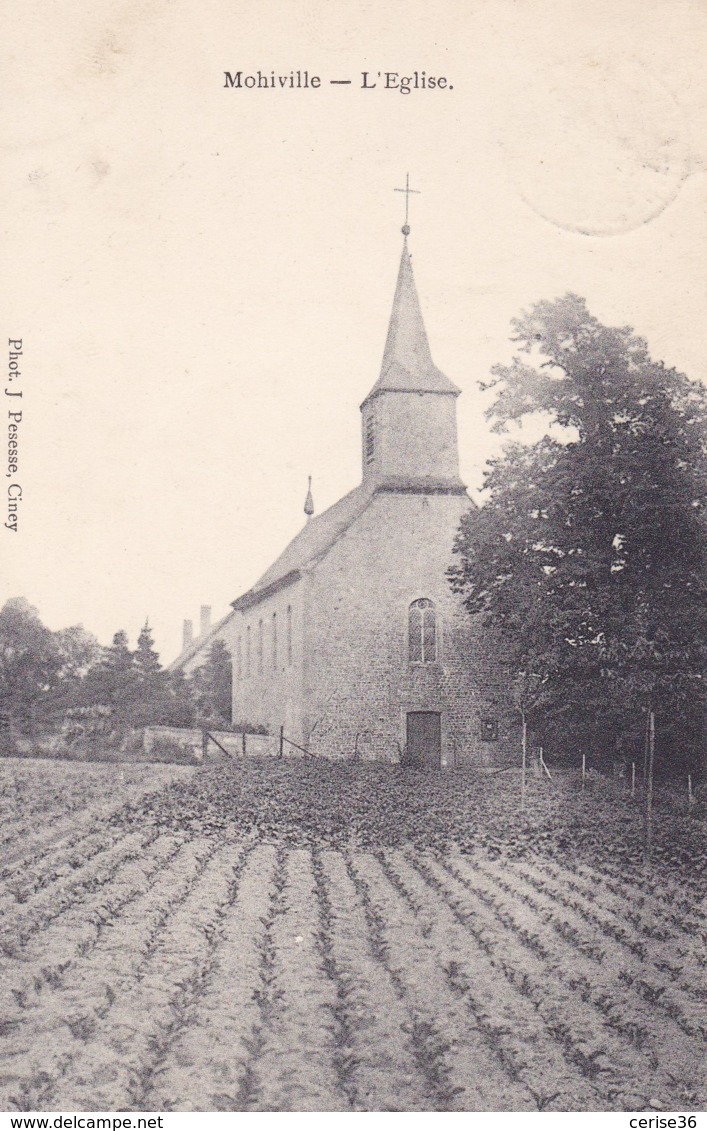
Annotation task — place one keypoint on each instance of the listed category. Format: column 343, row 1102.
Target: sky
column 202, row 277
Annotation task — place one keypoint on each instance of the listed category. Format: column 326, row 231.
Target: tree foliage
column 40, row 670
column 46, row 675
column 212, row 685
column 135, row 688
column 30, row 662
column 587, row 561
column 145, row 658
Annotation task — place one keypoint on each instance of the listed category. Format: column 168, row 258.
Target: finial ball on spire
column 405, row 230
column 309, row 501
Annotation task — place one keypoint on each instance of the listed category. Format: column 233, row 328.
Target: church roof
column 407, row 367
column 312, row 542
column 407, row 362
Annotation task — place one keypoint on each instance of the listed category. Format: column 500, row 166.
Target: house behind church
column 352, row 641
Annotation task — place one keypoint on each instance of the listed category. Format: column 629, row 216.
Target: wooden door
column 424, row 738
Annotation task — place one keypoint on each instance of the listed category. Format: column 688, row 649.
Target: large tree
column 212, row 685
column 30, row 662
column 40, row 671
column 77, row 650
column 587, row 561
column 158, row 697
column 146, row 659
column 135, row 688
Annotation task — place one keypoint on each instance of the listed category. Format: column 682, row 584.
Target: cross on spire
column 407, row 190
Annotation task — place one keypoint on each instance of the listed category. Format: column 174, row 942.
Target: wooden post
column 690, row 795
column 243, row 743
column 633, row 779
column 525, row 756
column 204, row 742
column 649, row 786
column 584, row 769
column 282, row 741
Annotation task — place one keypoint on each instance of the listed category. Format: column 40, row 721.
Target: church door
column 424, row 738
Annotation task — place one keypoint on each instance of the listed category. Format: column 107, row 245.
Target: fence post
column 633, row 779
column 204, row 742
column 649, row 786
column 690, row 795
column 584, row 769
column 243, row 743
column 525, row 755
column 282, row 741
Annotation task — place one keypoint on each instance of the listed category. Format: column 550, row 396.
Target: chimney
column 187, row 634
column 205, row 619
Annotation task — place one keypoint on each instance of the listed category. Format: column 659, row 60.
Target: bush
column 313, row 801
column 8, row 746
column 168, row 750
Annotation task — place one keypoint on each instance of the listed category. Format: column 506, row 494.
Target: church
column 352, row 641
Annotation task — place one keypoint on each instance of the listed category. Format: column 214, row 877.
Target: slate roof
column 312, row 542
column 407, row 362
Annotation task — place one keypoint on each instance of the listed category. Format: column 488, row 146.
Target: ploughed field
column 266, row 935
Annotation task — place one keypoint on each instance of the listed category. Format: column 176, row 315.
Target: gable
column 315, row 538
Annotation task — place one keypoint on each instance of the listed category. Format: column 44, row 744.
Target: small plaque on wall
column 489, row 730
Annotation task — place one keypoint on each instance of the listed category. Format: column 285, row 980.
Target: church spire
column 407, row 361
column 409, row 427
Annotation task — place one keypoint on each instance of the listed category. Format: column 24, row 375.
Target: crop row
column 484, row 1055
column 607, row 1040
column 661, row 900
column 602, row 949
column 652, row 939
column 184, row 972
column 37, row 789
column 60, row 952
column 54, row 902
column 73, row 808
column 88, row 1005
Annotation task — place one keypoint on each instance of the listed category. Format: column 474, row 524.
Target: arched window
column 239, row 659
column 422, row 632
column 289, row 635
column 274, row 640
column 247, row 651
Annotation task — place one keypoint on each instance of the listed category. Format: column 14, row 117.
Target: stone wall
column 414, row 436
column 267, row 688
column 191, row 737
column 345, row 686
column 359, row 684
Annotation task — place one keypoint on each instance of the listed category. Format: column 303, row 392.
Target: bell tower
column 409, row 422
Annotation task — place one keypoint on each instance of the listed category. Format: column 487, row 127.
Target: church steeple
column 407, row 362
column 409, row 416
